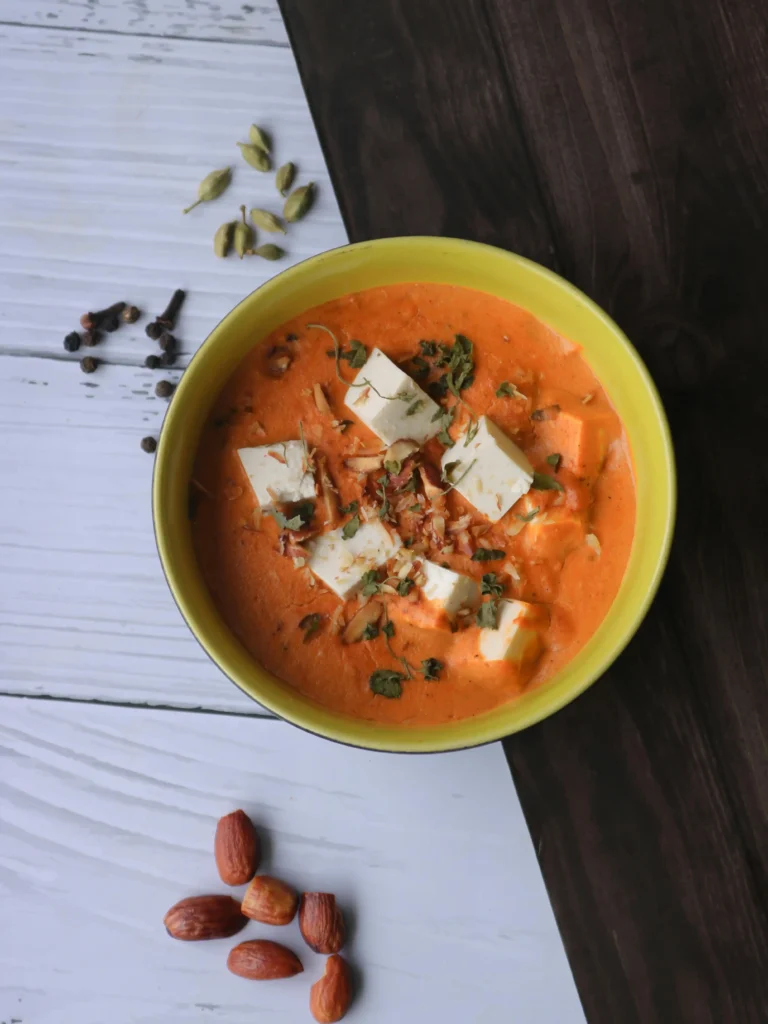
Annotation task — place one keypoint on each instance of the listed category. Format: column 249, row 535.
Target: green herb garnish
column 507, row 390
column 428, row 348
column 301, row 518
column 421, row 366
column 414, row 407
column 310, row 624
column 529, row 516
column 488, row 615
column 488, row 554
column 438, row 389
column 431, row 668
column 414, row 508
column 386, row 682
column 370, row 583
column 411, row 484
column 350, row 509
column 490, row 585
column 370, row 632
column 404, row 587
column 357, row 356
column 545, row 482
column 554, row 461
column 388, row 629
column 351, row 527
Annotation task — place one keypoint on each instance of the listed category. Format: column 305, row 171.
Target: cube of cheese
column 393, row 405
column 450, row 590
column 276, row 473
column 341, row 563
column 501, row 473
column 579, row 433
column 516, row 639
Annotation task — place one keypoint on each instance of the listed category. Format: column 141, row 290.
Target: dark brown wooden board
column 625, row 145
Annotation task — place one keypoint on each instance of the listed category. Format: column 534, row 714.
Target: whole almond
column 237, row 848
column 270, row 901
column 321, row 922
column 261, row 960
column 329, row 998
column 204, row 917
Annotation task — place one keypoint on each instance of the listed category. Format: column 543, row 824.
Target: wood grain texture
column 107, row 817
column 257, row 23
column 625, row 146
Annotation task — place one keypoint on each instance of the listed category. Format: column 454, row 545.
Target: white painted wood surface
column 107, row 818
column 111, row 111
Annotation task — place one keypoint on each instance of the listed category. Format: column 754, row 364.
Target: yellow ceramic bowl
column 383, row 262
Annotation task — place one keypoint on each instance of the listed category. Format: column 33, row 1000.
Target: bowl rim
column 558, row 700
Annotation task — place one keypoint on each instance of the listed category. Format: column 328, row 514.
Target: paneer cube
column 341, row 562
column 552, row 535
column 276, row 473
column 500, row 472
column 393, row 405
column 517, row 638
column 579, row 432
column 451, row 591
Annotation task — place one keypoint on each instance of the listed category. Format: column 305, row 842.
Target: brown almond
column 328, row 491
column 237, row 848
column 262, row 960
column 369, row 614
column 270, row 901
column 430, row 481
column 329, row 998
column 204, row 917
column 321, row 922
column 320, row 400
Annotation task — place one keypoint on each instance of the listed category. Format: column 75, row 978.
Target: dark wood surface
column 625, row 145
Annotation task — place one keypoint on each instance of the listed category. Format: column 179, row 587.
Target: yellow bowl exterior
column 449, row 261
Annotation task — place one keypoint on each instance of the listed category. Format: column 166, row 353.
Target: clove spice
column 167, row 319
column 108, row 319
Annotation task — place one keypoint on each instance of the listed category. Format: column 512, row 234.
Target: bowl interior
column 439, row 260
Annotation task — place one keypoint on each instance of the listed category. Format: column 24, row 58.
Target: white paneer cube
column 516, row 639
column 500, row 473
column 340, row 563
column 451, row 590
column 276, row 473
column 393, row 405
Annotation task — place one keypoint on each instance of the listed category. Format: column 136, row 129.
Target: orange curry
column 562, row 547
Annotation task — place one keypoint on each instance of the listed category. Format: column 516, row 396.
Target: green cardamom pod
column 212, row 186
column 284, row 178
column 243, row 236
column 255, row 156
column 269, row 251
column 267, row 222
column 298, row 202
column 259, row 138
column 222, row 240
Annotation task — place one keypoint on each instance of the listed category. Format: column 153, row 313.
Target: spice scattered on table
column 244, row 236
column 299, row 202
column 72, row 341
column 269, row 251
column 89, row 364
column 167, row 319
column 168, row 358
column 163, row 389
column 167, row 342
column 285, row 178
column 152, row 362
column 130, row 314
column 108, row 319
column 211, row 187
column 148, row 444
column 91, row 338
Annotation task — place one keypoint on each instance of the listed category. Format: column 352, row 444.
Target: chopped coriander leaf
column 388, row 629
column 370, row 632
column 529, row 516
column 490, row 585
column 488, row 615
column 545, row 482
column 431, row 668
column 421, row 366
column 445, row 354
column 351, row 527
column 414, row 407
column 386, row 682
column 507, row 390
column 554, row 461
column 472, row 430
column 302, row 516
column 393, row 467
column 438, row 388
column 370, row 583
column 487, row 554
column 404, row 587
column 384, row 510
column 310, row 624
column 445, row 438
column 350, row 509
column 414, row 508
column 357, row 356
column 428, row 348
column 449, row 468
column 412, row 483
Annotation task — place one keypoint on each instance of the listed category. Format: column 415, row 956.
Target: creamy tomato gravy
column 568, row 558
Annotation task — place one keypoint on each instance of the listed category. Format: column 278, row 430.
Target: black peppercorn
column 89, row 364
column 72, row 342
column 130, row 314
column 167, row 342
column 153, row 330
column 148, row 444
column 168, row 358
column 91, row 338
column 163, row 389
column 152, row 362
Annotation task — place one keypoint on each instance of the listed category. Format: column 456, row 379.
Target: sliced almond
column 370, row 613
column 593, row 543
column 430, row 481
column 336, row 621
column 460, row 524
column 480, row 530
column 438, row 526
column 329, row 494
column 400, row 450
column 320, row 400
column 364, row 463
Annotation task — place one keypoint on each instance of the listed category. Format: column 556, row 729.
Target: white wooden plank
column 84, row 607
column 257, row 22
column 103, row 141
column 107, row 816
